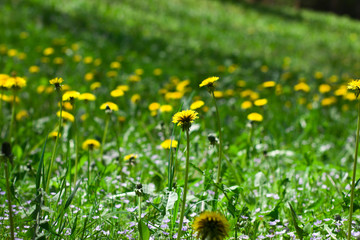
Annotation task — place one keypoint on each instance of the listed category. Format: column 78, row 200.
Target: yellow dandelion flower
column 173, row 95
column 333, row 78
column 246, row 105
column 67, row 106
column 40, row 89
column 135, row 98
column 54, row 135
column 241, row 83
column 157, row 72
column 185, row 118
column 255, row 117
column 15, row 83
column 89, row 76
column 181, row 86
column 109, row 105
column 66, row 116
column 48, row 51
column 261, row 102
column 246, row 93
column 95, row 85
column 90, row 144
column 154, row 106
column 56, row 82
column 34, row 69
column 166, row 108
column 58, row 60
column 115, row 65
column 354, row 84
column 324, row 88
column 22, row 115
column 169, row 142
column 12, row 52
column 211, row 226
column 77, row 58
column 49, row 90
column 254, row 96
column 3, row 80
column 341, row 91
column 84, row 116
column 197, row 104
column 130, row 157
column 117, row 93
column 269, row 84
column 112, row 74
column 87, row 97
column 97, row 62
column 209, row 82
column 232, row 68
column 88, row 60
column 229, row 92
column 302, row 87
column 350, row 96
column 264, row 69
column 218, row 94
column 70, row 95
column 10, row 98
column 318, row 75
column 124, row 88
column 134, row 78
column 139, row 71
column 328, row 101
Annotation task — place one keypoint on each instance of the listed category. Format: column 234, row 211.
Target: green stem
column 89, row 174
column 354, row 173
column 1, row 113
column 11, row 219
column 12, row 115
column 186, row 184
column 104, row 137
column 218, row 177
column 140, row 209
column 76, row 147
column 55, row 146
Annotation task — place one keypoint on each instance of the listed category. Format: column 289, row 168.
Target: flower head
column 197, row 104
column 66, row 116
column 255, row 117
column 210, row 83
column 355, row 85
column 70, row 96
column 169, row 142
column 87, row 97
column 109, row 106
column 117, row 93
column 15, row 83
column 56, row 82
column 54, row 135
column 185, row 118
column 211, row 225
column 90, row 144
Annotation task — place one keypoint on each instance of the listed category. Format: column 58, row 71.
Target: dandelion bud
column 6, row 149
column 139, row 191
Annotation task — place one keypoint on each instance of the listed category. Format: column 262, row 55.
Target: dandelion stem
column 12, row 115
column 55, row 146
column 218, row 177
column 89, row 173
column 185, row 185
column 354, row 173
column 11, row 219
column 104, row 137
column 76, row 146
column 1, row 113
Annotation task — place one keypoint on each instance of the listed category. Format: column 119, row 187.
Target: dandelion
column 48, row 51
column 95, row 86
column 90, row 144
column 109, row 105
column 197, row 104
column 124, row 88
column 166, row 108
column 117, row 93
column 21, row 115
column 89, row 76
column 324, row 88
column 211, row 226
column 87, row 97
column 210, row 83
column 34, row 69
column 261, row 102
column 169, row 143
column 66, row 116
column 54, row 135
column 135, row 98
column 70, row 96
column 115, row 65
column 57, row 83
column 185, row 119
column 255, row 117
column 154, row 106
column 157, row 71
column 15, row 83
column 302, row 87
column 246, row 105
column 354, row 85
column 269, row 84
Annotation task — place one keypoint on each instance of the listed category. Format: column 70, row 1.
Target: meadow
column 95, row 143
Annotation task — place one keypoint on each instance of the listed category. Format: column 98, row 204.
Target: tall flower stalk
column 184, row 119
column 210, row 84
column 354, row 85
column 57, row 83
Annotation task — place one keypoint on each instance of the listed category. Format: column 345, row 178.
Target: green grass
column 301, row 154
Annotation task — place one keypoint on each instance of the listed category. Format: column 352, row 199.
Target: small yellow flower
column 166, row 108
column 130, row 157
column 269, row 84
column 66, row 116
column 111, row 74
column 241, row 83
column 302, row 87
column 95, row 85
column 115, row 65
column 185, row 118
column 181, row 86
column 87, row 97
column 58, row 60
column 89, row 76
column 56, row 82
column 255, row 117
column 209, row 82
column 135, row 98
column 109, row 105
column 21, row 115
column 197, row 104
column 139, row 71
column 154, row 106
column 88, row 60
column 157, row 72
column 124, row 88
column 3, row 80
column 134, row 78
column 90, row 144
column 211, row 225
column 34, row 69
column 324, row 88
column 117, row 93
column 246, row 105
column 173, row 95
column 328, row 101
column 54, row 135
column 48, row 51
column 15, row 83
column 70, row 95
column 218, row 94
column 261, row 102
column 354, row 85
column 318, row 75
column 264, row 69
column 12, row 52
column 169, row 142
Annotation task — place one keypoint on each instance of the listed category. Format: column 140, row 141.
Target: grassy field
column 286, row 172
